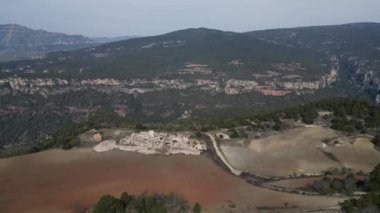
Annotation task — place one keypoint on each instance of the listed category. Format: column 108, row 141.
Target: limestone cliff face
column 23, row 84
column 20, row 83
column 299, row 85
column 106, row 81
column 370, row 78
column 239, row 86
column 324, row 82
column 365, row 76
column 52, row 86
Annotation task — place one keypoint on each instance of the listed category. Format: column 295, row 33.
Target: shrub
column 197, row 208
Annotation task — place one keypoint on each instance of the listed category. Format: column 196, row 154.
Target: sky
column 112, row 18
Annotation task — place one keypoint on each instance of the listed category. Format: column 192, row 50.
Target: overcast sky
column 152, row 17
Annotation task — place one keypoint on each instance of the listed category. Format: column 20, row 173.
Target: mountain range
column 103, row 40
column 187, row 74
column 19, row 42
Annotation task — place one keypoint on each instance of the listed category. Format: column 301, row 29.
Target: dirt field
column 360, row 156
column 68, row 181
column 299, row 151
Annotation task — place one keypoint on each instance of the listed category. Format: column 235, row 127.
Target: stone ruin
column 151, row 142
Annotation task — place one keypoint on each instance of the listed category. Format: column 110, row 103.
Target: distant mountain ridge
column 19, row 42
column 103, row 40
column 331, row 38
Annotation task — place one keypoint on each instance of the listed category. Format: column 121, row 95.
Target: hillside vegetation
column 369, row 202
column 144, row 204
column 347, row 115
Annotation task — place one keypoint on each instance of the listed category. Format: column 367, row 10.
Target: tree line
column 144, row 204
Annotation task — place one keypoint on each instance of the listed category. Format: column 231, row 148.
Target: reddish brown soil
column 69, row 181
column 55, row 181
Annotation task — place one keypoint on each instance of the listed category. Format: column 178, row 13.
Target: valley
column 283, row 120
column 189, row 74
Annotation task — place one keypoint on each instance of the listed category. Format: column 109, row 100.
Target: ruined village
column 149, row 142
